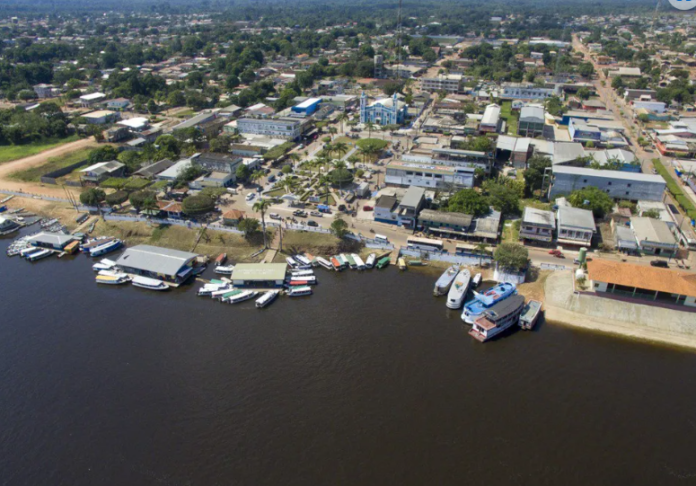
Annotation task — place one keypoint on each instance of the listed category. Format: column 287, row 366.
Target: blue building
column 307, row 107
column 386, row 111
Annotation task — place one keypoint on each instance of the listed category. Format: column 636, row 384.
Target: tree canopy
column 593, row 199
column 468, row 201
column 511, row 256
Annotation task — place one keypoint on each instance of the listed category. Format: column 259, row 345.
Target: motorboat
column 299, row 291
column 302, row 273
column 370, row 263
column 476, row 281
column 26, row 252
column 224, row 270
column 359, row 263
column 267, row 298
column 39, row 255
column 112, row 278
column 497, row 318
column 105, row 248
column 208, row 289
column 149, row 283
column 221, row 259
column 482, row 301
column 324, row 263
column 306, row 280
column 530, row 315
column 458, row 290
column 444, row 283
column 242, row 296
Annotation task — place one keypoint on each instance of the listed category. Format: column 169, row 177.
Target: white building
column 420, row 174
column 288, row 129
column 452, row 83
column 527, row 91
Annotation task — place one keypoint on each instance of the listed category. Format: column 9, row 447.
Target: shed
column 259, row 275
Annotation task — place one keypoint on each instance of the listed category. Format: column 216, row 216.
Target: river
column 370, row 381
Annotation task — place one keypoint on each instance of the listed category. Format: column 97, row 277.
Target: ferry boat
column 444, row 283
column 402, row 263
column 324, row 263
column 242, row 296
column 112, row 278
column 267, row 298
column 342, row 260
column 225, row 294
column 477, row 280
column 383, row 262
column 336, row 263
column 299, row 291
column 292, row 263
column 458, row 290
column 208, row 289
column 94, row 242
column 530, row 315
column 370, row 263
column 224, row 270
column 107, row 247
column 306, row 280
column 149, row 283
column 303, row 261
column 39, row 255
column 302, row 273
column 497, row 318
column 475, row 308
column 221, row 259
column 359, row 263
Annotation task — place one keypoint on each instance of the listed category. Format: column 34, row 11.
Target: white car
column 251, row 196
column 316, row 214
column 274, row 216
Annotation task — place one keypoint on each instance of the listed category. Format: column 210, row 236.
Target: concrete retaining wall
column 50, row 178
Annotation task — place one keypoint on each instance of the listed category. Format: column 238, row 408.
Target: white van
column 381, row 238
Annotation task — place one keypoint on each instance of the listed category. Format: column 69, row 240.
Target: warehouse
column 259, row 275
column 53, row 241
column 173, row 266
column 307, row 107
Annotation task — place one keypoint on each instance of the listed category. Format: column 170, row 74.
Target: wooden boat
column 530, row 315
column 224, row 270
column 149, row 283
column 267, row 298
column 497, row 318
column 112, row 278
column 221, row 259
column 383, row 262
column 401, row 262
column 444, row 283
column 416, row 263
column 242, row 296
column 82, row 218
column 370, row 263
column 299, row 291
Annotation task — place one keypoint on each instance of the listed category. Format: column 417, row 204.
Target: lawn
column 675, row 189
column 185, row 113
column 34, row 174
column 511, row 231
column 511, row 118
column 9, row 153
column 276, row 193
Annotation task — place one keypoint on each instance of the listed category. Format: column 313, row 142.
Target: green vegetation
column 339, row 227
column 198, row 204
column 675, row 190
column 592, row 199
column 510, row 117
column 33, row 174
column 114, row 183
column 9, row 153
column 278, row 151
column 511, row 231
column 468, row 201
column 511, row 256
column 118, row 197
column 92, row 197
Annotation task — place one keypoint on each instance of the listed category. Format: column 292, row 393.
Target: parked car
column 299, row 213
column 659, row 263
column 312, row 223
column 274, row 216
column 250, row 196
column 367, row 208
column 342, row 207
column 316, row 214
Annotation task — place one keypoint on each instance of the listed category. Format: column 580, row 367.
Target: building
column 215, row 162
column 307, row 107
column 490, row 123
column 161, row 263
column 285, row 128
column 653, row 106
column 233, row 217
column 409, row 173
column 91, row 99
column 617, row 184
column 532, row 121
column 575, row 226
column 259, row 275
column 52, row 241
column 632, row 94
column 101, row 117
column 410, row 206
column 463, row 158
column 169, row 209
column 654, row 237
column 118, row 104
column 537, row 225
column 517, row 150
column 660, row 285
column 623, row 159
column 195, row 121
column 101, row 171
column 385, row 111
column 135, row 124
column 385, row 209
column 173, row 172
column 625, row 72
column 445, row 224
column 527, row 91
column 452, row 83
column 151, row 171
column 44, row 90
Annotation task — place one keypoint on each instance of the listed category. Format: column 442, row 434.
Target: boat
column 370, row 260
column 359, row 263
column 29, row 251
column 71, row 247
column 221, row 259
column 107, row 247
column 458, row 290
column 242, row 296
column 342, row 260
column 82, row 218
column 94, row 242
column 402, row 263
column 104, row 264
column 476, row 281
column 149, row 283
column 476, row 307
column 302, row 273
column 383, row 262
column 292, row 263
column 39, row 255
column 299, row 291
column 306, row 280
column 351, row 262
column 497, row 318
column 112, row 278
column 224, row 270
column 444, row 283
column 336, row 263
column 222, row 293
column 208, row 289
column 530, row 315
column 324, row 263
column 267, row 298
column 303, row 261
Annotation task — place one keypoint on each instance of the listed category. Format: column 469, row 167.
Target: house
column 160, row 263
column 531, row 122
column 45, row 90
column 170, row 209
column 386, row 111
column 593, row 105
column 654, row 237
column 215, row 162
column 517, row 150
column 101, row 117
column 116, row 134
column 537, row 225
column 151, row 171
column 385, row 209
column 233, row 217
column 91, row 99
column 575, row 226
column 445, row 224
column 136, row 124
column 633, row 94
column 654, row 284
column 171, row 173
column 52, row 241
column 195, row 121
column 214, row 179
column 410, row 206
column 624, row 239
column 625, row 72
column 617, row 184
column 490, row 123
column 101, row 171
column 118, row 104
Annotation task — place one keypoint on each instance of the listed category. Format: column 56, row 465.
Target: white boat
column 112, row 278
column 324, row 263
column 303, row 260
column 306, row 280
column 39, row 255
column 218, row 294
column 444, row 283
column 370, row 263
column 301, row 263
column 292, row 263
column 224, row 270
column 208, row 289
column 241, row 297
column 302, row 273
column 299, row 291
column 477, row 280
column 267, row 298
column 497, row 318
column 149, row 283
column 460, row 286
column 104, row 264
column 29, row 251
column 482, row 301
column 107, row 247
column 359, row 263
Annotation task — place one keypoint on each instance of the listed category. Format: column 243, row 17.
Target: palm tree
column 333, row 131
column 370, row 126
column 295, row 157
column 329, row 148
column 256, row 175
column 481, row 249
column 368, row 151
column 342, row 120
column 341, row 148
column 261, row 206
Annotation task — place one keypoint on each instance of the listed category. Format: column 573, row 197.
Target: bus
column 428, row 244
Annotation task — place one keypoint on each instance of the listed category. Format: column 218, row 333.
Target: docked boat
column 71, row 247
column 107, row 247
column 342, row 260
column 370, row 260
column 292, row 263
column 530, row 315
column 299, row 291
column 359, row 263
column 475, row 308
column 208, row 289
column 336, row 263
column 302, row 273
column 293, row 281
column 225, row 294
column 221, row 259
column 26, row 252
column 444, row 283
column 458, row 289
column 303, row 261
column 94, row 242
column 401, row 262
column 39, row 255
column 351, row 261
column 82, row 218
column 242, row 296
column 267, row 298
column 476, row 281
column 324, row 263
column 149, row 283
column 497, row 318
column 224, row 270
column 383, row 262
column 112, row 278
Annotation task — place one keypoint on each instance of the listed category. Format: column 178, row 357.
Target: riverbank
column 635, row 321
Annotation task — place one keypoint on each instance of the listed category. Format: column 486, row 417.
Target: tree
column 651, row 213
column 482, row 250
column 339, row 227
column 116, row 198
column 586, row 69
column 199, row 204
column 593, row 199
column 188, row 174
column 468, row 201
column 250, row 226
column 261, row 206
column 152, row 106
column 534, row 175
column 511, row 256
column 243, row 172
column 502, row 198
column 102, row 154
column 92, row 197
column 286, row 169
column 617, row 83
column 370, row 126
column 138, row 198
column 584, row 93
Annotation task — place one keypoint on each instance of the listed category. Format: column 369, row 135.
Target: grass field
column 8, row 153
column 674, row 189
column 509, row 116
column 34, row 174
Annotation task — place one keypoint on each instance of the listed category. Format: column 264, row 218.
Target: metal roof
column 53, row 239
column 608, row 174
column 654, row 230
column 259, row 271
column 155, row 259
column 539, row 217
column 413, row 197
column 576, row 217
column 459, row 219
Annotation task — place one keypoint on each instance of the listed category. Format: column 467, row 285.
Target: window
column 584, row 181
column 609, row 184
column 629, row 185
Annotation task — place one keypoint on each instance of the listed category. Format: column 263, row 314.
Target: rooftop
column 642, row 277
column 458, row 219
column 654, row 230
column 576, row 217
column 155, row 259
column 259, row 271
column 539, row 217
column 608, row 174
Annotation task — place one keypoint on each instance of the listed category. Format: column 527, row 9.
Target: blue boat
column 107, row 247
column 475, row 308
